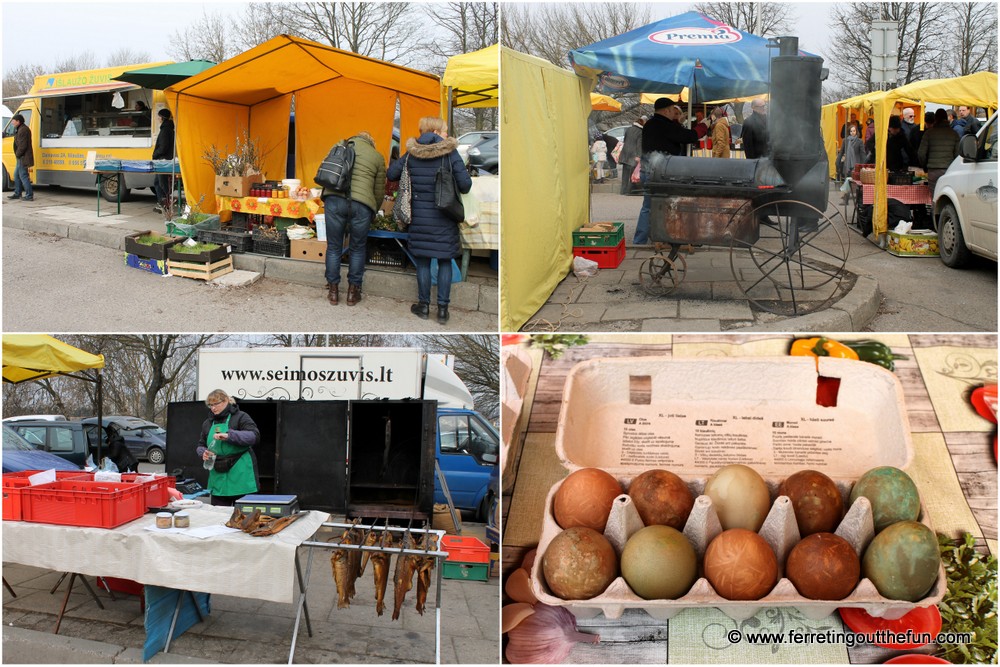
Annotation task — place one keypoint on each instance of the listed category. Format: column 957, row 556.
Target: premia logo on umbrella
column 696, row 36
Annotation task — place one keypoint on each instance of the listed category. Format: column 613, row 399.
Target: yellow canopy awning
column 600, row 102
column 337, row 94
column 474, row 78
column 650, row 98
column 29, row 357
column 979, row 89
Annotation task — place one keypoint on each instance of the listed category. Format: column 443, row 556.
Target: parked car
column 965, row 200
column 70, row 440
column 485, row 155
column 147, row 441
column 18, row 455
column 28, row 418
column 472, row 138
column 468, row 449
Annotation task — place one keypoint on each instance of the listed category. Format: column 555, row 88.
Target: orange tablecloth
column 286, row 208
column 908, row 194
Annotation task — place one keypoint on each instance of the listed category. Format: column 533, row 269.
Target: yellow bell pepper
column 821, row 347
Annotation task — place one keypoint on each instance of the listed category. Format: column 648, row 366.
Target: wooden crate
column 200, row 271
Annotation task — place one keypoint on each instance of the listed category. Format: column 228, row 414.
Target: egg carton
column 779, row 529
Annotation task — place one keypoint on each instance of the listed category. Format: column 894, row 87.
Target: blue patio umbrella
column 714, row 60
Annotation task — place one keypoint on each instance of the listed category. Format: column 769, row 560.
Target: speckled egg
column 891, row 492
column 659, row 563
column 740, row 497
column 823, row 566
column 816, row 501
column 741, row 565
column 903, row 561
column 661, row 498
column 585, row 498
column 579, row 563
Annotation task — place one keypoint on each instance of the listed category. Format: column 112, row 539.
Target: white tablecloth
column 236, row 564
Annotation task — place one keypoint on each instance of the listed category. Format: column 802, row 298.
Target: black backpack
column 335, row 171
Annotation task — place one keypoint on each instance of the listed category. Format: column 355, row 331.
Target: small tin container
column 164, row 519
column 182, row 520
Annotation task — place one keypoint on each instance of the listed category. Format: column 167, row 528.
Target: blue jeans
column 642, row 224
column 424, row 280
column 21, row 176
column 343, row 215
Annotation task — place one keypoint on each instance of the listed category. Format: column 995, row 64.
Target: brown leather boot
column 333, row 296
column 353, row 294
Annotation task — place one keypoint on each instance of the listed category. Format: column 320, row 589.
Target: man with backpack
column 353, row 180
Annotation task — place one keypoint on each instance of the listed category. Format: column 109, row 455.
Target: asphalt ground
column 879, row 292
column 65, row 271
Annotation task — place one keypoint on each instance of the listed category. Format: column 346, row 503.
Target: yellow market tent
column 833, row 116
column 28, row 357
column 337, row 94
column 600, row 102
column 545, row 194
column 978, row 90
column 473, row 78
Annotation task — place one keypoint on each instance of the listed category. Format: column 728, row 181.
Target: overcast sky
column 49, row 32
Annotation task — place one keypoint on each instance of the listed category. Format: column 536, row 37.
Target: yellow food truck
column 71, row 114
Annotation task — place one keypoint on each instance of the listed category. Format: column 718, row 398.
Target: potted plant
column 149, row 244
column 189, row 222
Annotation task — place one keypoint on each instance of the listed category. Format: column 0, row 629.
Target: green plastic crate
column 177, row 228
column 599, row 239
column 459, row 570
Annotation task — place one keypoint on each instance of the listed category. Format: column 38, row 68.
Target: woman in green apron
column 229, row 436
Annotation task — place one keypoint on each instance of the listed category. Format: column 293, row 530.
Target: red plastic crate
column 85, row 504
column 606, row 258
column 155, row 489
column 13, row 482
column 465, row 549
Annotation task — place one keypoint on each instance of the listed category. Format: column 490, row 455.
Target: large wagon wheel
column 797, row 265
column 661, row 275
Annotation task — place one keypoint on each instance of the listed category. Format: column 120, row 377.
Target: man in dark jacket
column 353, row 211
column 755, row 139
column 163, row 150
column 967, row 122
column 938, row 148
column 664, row 133
column 631, row 151
column 25, row 159
column 898, row 152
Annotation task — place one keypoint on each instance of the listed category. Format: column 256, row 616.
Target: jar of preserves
column 164, row 519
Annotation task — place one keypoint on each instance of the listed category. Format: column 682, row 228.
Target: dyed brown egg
column 823, row 566
column 740, row 497
column 585, row 498
column 903, row 561
column 816, row 501
column 579, row 563
column 661, row 498
column 741, row 565
column 891, row 492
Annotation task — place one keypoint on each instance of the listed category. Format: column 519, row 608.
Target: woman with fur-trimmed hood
column 432, row 234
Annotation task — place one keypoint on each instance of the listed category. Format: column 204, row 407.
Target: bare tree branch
column 759, row 18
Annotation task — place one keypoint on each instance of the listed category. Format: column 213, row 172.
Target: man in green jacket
column 938, row 148
column 353, row 212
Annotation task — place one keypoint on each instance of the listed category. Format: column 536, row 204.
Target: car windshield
column 12, row 441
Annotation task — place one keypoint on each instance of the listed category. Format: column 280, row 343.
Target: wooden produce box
column 203, row 257
column 311, row 250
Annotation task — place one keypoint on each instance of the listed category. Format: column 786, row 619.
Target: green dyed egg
column 903, row 561
column 659, row 563
column 891, row 492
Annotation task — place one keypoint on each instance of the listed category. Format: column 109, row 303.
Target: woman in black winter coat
column 432, row 234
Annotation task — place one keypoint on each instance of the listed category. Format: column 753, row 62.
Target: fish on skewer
column 424, row 566
column 403, row 578
column 346, row 565
column 380, row 568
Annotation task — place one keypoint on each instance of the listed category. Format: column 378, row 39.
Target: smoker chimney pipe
column 788, row 46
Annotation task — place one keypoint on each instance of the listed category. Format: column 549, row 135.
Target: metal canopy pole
column 438, row 555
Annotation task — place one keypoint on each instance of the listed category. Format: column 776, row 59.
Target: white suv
column 965, row 200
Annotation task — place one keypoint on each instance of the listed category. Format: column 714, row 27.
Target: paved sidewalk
column 246, row 631
column 72, row 214
column 879, row 292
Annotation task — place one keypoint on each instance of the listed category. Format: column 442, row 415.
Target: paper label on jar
column 700, row 437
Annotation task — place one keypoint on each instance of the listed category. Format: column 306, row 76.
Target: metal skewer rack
column 312, row 545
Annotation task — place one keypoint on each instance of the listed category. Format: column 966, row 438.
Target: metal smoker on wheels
column 787, row 256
